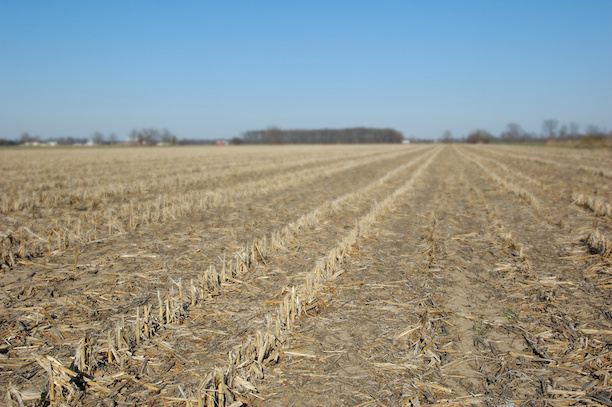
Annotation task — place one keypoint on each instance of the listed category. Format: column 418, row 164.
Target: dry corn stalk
column 62, row 381
column 598, row 206
column 597, row 243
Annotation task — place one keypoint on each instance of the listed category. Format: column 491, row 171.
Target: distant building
column 131, row 141
column 221, row 142
column 36, row 143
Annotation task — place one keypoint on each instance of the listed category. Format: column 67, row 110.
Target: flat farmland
column 306, row 275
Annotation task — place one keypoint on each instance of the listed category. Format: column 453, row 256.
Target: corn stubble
column 105, row 363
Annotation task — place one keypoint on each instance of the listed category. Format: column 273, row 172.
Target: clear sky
column 214, row 69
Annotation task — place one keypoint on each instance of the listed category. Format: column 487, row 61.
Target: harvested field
column 292, row 275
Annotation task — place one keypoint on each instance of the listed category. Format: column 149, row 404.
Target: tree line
column 151, row 136
column 275, row 135
column 552, row 132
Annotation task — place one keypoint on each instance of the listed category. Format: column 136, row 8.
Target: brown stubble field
column 306, row 275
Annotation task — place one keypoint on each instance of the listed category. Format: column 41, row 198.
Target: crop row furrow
column 568, row 162
column 300, row 299
column 544, row 294
column 597, row 205
column 557, row 157
column 219, row 241
column 246, row 361
column 510, row 170
column 515, row 189
column 100, row 189
column 101, row 222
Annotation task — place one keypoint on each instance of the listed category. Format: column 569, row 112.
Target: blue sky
column 214, row 69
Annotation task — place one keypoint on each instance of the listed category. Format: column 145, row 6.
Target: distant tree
column 574, row 129
column 98, row 138
column 592, row 130
column 168, row 137
column 513, row 134
column 273, row 135
column 149, row 136
column 236, row 141
column 594, row 136
column 480, row 136
column 549, row 127
column 447, row 137
column 5, row 142
column 27, row 138
column 112, row 138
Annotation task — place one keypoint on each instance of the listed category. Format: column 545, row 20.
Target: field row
column 466, row 294
column 171, row 308
column 420, row 275
column 30, row 230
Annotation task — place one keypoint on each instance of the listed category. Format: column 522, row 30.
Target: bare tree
column 549, row 127
column 112, row 138
column 514, row 133
column 26, row 137
column 447, row 136
column 150, row 136
column 273, row 135
column 592, row 130
column 98, row 138
column 574, row 129
column 168, row 137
